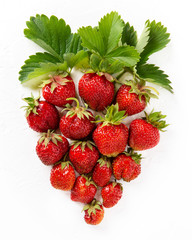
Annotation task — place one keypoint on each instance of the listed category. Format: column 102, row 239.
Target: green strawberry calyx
column 113, row 116
column 134, row 155
column 140, row 89
column 64, row 162
column 56, row 80
column 33, row 103
column 81, row 112
column 89, row 180
column 104, row 161
column 116, row 183
column 155, row 119
column 92, row 207
column 83, row 144
column 50, row 136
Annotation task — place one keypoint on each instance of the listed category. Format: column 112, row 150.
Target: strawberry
column 96, row 90
column 127, row 166
column 51, row 147
column 78, row 122
column 111, row 194
column 84, row 190
column 102, row 172
column 57, row 89
column 111, row 136
column 133, row 97
column 41, row 115
column 83, row 156
column 62, row 176
column 144, row 133
column 94, row 212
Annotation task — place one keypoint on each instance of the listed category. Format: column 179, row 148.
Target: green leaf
column 152, row 73
column 92, row 39
column 158, row 39
column 74, row 44
column 95, row 61
column 129, row 35
column 143, row 40
column 110, row 28
column 51, row 34
column 75, row 59
column 115, row 67
column 38, row 67
column 126, row 55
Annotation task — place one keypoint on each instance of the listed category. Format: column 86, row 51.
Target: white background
column 158, row 204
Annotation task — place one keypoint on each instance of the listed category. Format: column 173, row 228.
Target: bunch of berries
column 102, row 148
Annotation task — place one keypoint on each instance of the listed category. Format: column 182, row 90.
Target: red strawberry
column 57, row 89
column 127, row 166
column 41, row 115
column 51, row 147
column 111, row 194
column 129, row 101
column 144, row 133
column 84, row 190
column 62, row 176
column 78, row 122
column 102, row 172
column 84, row 156
column 97, row 91
column 133, row 97
column 94, row 213
column 111, row 136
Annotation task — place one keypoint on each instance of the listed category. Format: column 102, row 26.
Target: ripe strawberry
column 78, row 122
column 94, row 213
column 41, row 115
column 51, row 147
column 133, row 97
column 127, row 166
column 111, row 136
column 102, row 172
column 63, row 176
column 111, row 194
column 144, row 133
column 97, row 91
column 84, row 190
column 83, row 156
column 57, row 89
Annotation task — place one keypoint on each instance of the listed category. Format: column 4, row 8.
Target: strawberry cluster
column 89, row 153
column 96, row 156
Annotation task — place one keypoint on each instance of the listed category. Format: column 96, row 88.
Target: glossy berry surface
column 74, row 127
column 52, row 153
column 125, row 167
column 96, row 91
column 129, row 102
column 62, row 179
column 60, row 93
column 111, row 194
column 111, row 139
column 83, row 190
column 47, row 117
column 102, row 174
column 94, row 218
column 83, row 160
column 143, row 135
